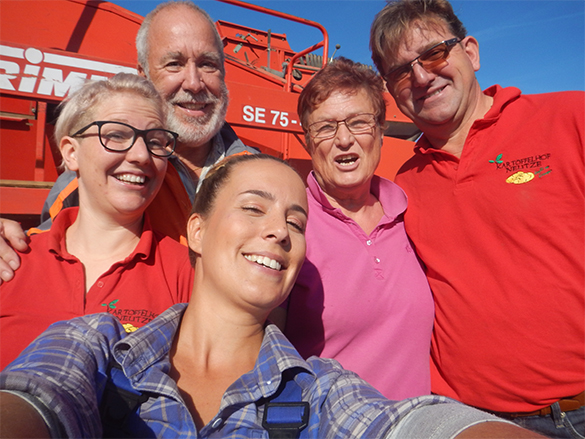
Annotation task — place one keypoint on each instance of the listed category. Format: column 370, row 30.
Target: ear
column 141, row 71
column 195, row 232
column 69, row 148
column 471, row 47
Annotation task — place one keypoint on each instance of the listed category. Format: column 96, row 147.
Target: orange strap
column 58, row 204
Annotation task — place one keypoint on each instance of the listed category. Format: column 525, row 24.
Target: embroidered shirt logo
column 111, row 305
column 520, row 177
column 129, row 327
column 498, row 159
column 518, row 169
column 131, row 319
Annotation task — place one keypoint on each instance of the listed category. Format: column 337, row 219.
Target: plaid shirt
column 64, row 370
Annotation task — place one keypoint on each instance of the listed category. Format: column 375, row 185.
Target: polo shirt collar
column 392, row 197
column 67, row 217
column 502, row 97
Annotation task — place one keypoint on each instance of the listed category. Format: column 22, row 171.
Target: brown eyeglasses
column 429, row 59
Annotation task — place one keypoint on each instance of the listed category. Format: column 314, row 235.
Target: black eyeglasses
column 357, row 124
column 120, row 137
column 429, row 59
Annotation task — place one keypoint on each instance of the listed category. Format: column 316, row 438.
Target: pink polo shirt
column 364, row 299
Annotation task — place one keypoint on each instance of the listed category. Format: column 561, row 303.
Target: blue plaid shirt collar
column 148, row 349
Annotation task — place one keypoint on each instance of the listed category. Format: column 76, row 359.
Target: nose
column 343, row 136
column 139, row 152
column 420, row 76
column 276, row 229
column 193, row 80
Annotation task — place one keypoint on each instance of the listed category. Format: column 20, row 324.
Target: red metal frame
column 54, row 44
column 289, row 68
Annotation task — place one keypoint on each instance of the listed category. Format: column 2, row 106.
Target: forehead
column 268, row 176
column 181, row 30
column 343, row 103
column 126, row 103
column 422, row 36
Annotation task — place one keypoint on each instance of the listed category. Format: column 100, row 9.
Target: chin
column 351, row 182
column 132, row 206
column 197, row 130
column 262, row 300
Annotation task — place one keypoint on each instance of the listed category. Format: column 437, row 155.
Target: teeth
column 263, row 260
column 131, row 178
column 346, row 161
column 434, row 93
column 193, row 106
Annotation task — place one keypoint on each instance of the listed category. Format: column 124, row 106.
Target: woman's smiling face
column 252, row 243
column 117, row 183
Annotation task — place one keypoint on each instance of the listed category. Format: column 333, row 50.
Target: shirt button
column 377, row 260
column 216, row 422
column 369, row 242
column 268, row 382
column 100, row 284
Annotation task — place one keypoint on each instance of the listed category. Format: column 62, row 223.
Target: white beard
column 196, row 131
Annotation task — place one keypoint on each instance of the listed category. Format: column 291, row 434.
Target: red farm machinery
column 48, row 47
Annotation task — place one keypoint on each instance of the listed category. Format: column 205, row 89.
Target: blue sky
column 536, row 45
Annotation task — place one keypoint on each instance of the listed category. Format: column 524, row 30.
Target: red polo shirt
column 50, row 285
column 501, row 232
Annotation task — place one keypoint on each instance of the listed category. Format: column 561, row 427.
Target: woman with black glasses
column 102, row 256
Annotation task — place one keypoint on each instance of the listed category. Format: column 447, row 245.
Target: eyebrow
column 213, row 56
column 210, row 56
column 269, row 196
column 172, row 55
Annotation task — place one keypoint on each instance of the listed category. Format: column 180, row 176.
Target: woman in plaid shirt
column 208, row 368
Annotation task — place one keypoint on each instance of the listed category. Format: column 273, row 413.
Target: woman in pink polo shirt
column 362, row 297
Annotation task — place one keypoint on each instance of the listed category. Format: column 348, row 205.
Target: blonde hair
column 78, row 109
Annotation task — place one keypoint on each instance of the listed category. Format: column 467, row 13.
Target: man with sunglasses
column 496, row 212
column 180, row 51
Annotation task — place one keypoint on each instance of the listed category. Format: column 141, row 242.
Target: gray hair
column 142, row 35
column 78, row 109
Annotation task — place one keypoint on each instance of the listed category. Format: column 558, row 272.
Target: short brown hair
column 342, row 74
column 392, row 23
